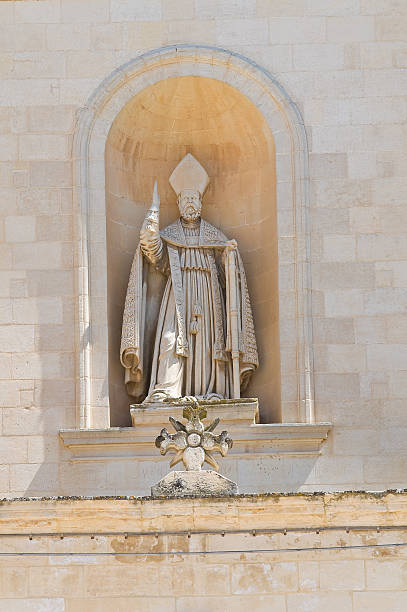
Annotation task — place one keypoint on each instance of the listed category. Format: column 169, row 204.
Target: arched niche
column 96, row 121
column 225, row 131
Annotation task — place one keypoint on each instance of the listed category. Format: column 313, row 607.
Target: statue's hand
column 151, row 222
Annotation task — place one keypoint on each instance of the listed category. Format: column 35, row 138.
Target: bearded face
column 189, row 204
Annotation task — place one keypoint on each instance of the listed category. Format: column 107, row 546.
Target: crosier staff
column 234, row 316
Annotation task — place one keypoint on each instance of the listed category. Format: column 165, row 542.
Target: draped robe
column 192, row 348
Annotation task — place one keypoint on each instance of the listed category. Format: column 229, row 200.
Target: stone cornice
column 350, row 510
column 249, row 440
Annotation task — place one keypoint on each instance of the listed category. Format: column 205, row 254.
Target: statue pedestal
column 204, row 483
column 235, row 415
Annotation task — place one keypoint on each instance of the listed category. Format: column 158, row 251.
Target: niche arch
column 289, row 144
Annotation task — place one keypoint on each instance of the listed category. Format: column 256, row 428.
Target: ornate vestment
column 193, row 339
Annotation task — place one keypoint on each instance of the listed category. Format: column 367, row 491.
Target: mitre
column 189, row 174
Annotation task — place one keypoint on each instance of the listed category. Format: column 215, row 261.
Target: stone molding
column 92, row 127
column 249, row 442
column 69, row 515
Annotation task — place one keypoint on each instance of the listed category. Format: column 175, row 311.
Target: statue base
column 203, row 483
column 235, row 414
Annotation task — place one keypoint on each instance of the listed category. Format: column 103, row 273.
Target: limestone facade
column 267, row 553
column 342, row 64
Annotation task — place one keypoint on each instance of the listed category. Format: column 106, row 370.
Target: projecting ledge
column 248, row 441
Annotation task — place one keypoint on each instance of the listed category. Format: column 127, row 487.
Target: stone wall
column 325, row 553
column 343, row 63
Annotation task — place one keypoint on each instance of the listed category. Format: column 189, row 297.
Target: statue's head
column 189, row 181
column 190, row 204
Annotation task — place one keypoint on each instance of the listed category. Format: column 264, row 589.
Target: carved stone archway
column 286, row 125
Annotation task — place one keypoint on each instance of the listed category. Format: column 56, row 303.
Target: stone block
column 241, row 32
column 93, row 11
column 319, row 602
column 350, row 29
column 56, row 283
column 345, row 358
column 235, row 603
column 332, row 7
column 334, row 473
column 339, row 248
column 376, row 601
column 336, row 139
column 23, row 37
column 333, row 331
column 124, row 604
column 344, row 303
column 51, row 174
column 108, row 36
column 291, row 30
column 370, row 330
column 47, row 255
column 391, row 28
column 203, row 483
column 31, row 11
column 142, row 35
column 336, row 386
column 318, row 57
column 340, row 84
column 385, row 574
column 389, row 138
column 45, row 604
column 328, row 165
column 389, row 469
column 264, row 578
column 83, row 64
column 347, row 575
column 50, row 119
column 355, row 442
column 308, row 575
column 362, row 165
column 393, row 82
column 211, row 9
column 34, row 479
column 33, row 147
column 63, row 37
column 20, row 228
column 190, row 31
column 385, row 301
column 38, row 365
column 373, row 247
column 77, row 91
column 386, row 357
column 377, row 54
column 53, row 227
column 8, row 147
column 127, row 10
column 15, row 338
column 184, row 9
column 54, row 581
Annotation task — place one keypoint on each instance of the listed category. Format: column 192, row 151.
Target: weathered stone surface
column 205, row 483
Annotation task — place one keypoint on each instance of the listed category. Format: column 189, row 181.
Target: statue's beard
column 190, row 213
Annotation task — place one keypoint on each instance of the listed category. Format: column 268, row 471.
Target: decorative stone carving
column 194, row 443
column 205, row 344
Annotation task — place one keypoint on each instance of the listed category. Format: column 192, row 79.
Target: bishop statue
column 204, row 343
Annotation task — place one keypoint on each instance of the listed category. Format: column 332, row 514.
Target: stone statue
column 204, row 344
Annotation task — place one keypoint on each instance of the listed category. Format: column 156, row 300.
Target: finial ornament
column 193, row 442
